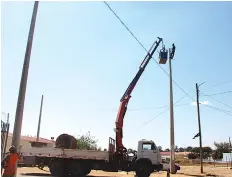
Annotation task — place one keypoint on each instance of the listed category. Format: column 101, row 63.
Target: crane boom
column 120, row 149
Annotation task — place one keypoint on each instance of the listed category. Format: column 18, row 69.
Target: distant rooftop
column 33, row 138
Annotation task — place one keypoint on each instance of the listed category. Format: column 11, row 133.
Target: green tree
column 193, row 155
column 217, row 155
column 195, row 150
column 160, row 148
column 189, row 148
column 181, row 149
column 222, row 147
column 87, row 142
column 206, row 151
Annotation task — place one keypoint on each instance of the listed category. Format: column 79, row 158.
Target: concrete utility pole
column 23, row 83
column 163, row 59
column 230, row 153
column 40, row 115
column 199, row 126
column 172, row 136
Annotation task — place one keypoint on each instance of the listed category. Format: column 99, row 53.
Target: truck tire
column 56, row 168
column 86, row 171
column 143, row 169
column 75, row 169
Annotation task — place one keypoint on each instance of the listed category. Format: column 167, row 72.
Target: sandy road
column 186, row 171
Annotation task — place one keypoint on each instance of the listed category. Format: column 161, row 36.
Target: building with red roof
column 26, row 141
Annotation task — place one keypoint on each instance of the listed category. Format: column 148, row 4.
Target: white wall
column 227, row 157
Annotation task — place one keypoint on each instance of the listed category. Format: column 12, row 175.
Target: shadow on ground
column 43, row 174
column 189, row 175
column 35, row 174
column 208, row 175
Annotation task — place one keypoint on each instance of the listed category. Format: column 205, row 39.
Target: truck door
column 149, row 151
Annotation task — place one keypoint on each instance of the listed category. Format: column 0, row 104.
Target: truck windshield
column 148, row 146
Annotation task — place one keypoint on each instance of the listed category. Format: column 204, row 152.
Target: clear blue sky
column 83, row 60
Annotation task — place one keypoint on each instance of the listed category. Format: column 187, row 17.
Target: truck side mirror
column 153, row 148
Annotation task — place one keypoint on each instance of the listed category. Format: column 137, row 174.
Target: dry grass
column 186, row 171
column 209, row 170
column 180, row 159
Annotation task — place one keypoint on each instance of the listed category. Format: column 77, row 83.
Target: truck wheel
column 56, row 168
column 143, row 170
column 75, row 169
column 86, row 171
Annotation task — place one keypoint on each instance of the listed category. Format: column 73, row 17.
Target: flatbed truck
column 78, row 163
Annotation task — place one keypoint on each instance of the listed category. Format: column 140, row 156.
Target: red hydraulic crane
column 120, row 149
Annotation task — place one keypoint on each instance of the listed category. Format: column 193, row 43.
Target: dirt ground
column 186, row 171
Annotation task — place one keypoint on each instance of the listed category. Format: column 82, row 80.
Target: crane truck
column 74, row 162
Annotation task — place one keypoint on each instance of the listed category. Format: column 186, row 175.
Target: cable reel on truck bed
column 66, row 141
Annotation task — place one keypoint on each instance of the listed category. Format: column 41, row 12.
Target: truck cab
column 149, row 153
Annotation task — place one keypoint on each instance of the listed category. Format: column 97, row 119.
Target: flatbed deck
column 65, row 153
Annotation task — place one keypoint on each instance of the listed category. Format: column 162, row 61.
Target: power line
column 220, row 110
column 156, row 62
column 155, row 117
column 218, row 93
column 145, row 49
column 222, row 83
column 175, row 82
column 152, row 108
column 162, row 112
column 125, row 26
column 221, row 102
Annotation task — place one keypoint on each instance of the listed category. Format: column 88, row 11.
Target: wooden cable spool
column 66, row 141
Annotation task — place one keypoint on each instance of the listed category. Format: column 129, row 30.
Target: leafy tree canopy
column 87, row 142
column 193, row 155
column 181, row 149
column 222, row 147
column 189, row 148
column 195, row 152
column 160, row 148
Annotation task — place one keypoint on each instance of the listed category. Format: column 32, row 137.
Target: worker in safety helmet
column 9, row 162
